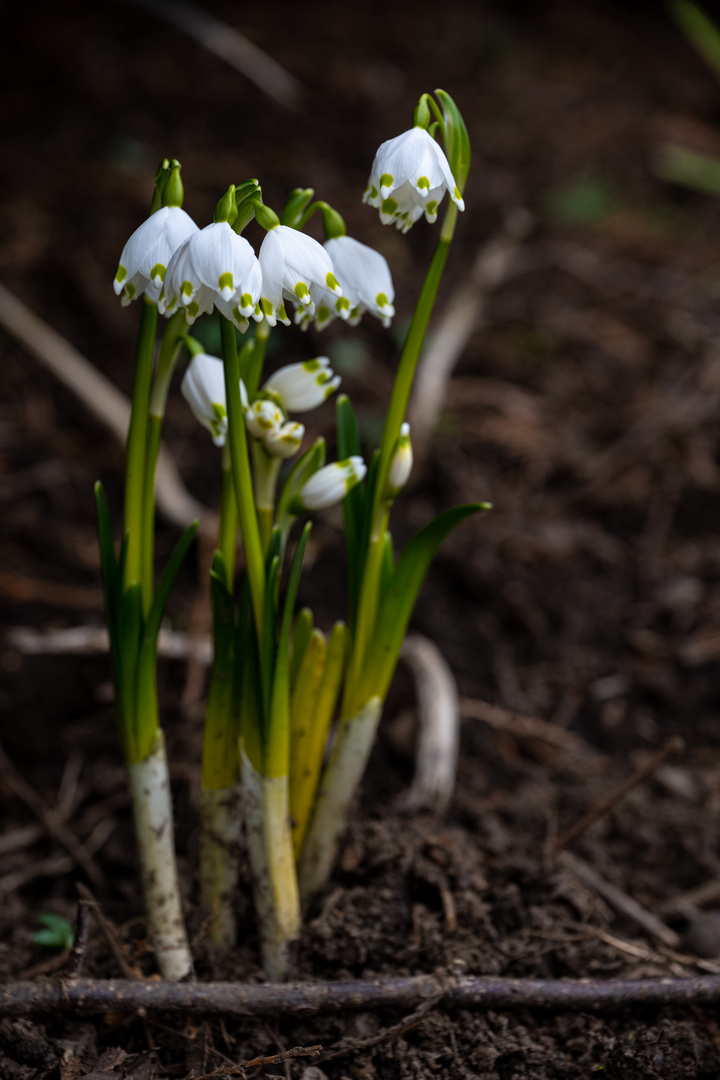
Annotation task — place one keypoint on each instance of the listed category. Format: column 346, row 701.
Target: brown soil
column 585, row 408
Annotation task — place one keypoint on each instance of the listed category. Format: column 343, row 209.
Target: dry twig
column 52, row 822
column 90, row 997
column 621, row 902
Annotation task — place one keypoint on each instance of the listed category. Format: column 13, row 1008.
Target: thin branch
column 621, row 902
column 273, row 1059
column 89, row 997
column 50, row 819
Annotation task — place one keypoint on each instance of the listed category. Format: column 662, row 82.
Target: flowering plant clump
column 281, row 690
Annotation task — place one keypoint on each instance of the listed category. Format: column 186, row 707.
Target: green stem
column 227, row 528
column 237, row 438
column 367, row 612
column 168, row 356
column 262, row 334
column 409, row 360
column 265, row 471
column 137, row 443
column 368, row 595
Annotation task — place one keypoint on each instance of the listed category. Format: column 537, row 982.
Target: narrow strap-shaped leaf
column 247, row 684
column 130, row 631
column 312, row 460
column 245, row 359
column 305, row 773
column 348, row 442
column 395, row 607
column 267, row 649
column 157, row 609
column 111, row 578
column 388, row 564
column 278, row 744
column 302, row 630
column 145, row 675
column 220, row 763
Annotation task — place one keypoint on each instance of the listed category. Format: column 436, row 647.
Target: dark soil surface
column 585, row 407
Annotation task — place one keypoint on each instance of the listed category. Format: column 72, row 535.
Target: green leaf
column 108, row 562
column 302, row 632
column 348, row 441
column 267, row 647
column 145, row 681
column 278, row 745
column 699, row 30
column 59, row 932
column 457, row 141
column 312, row 460
column 388, row 564
column 396, row 605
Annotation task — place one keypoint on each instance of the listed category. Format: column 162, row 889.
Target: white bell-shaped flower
column 214, row 267
column 262, row 418
column 331, row 484
column 145, row 257
column 365, row 278
column 409, row 177
column 203, row 387
column 291, row 263
column 285, row 441
column 304, row 386
column 402, row 461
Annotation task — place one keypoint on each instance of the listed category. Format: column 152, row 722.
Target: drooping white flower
column 402, row 461
column 262, row 418
column 365, row 278
column 291, row 263
column 331, row 483
column 145, row 257
column 203, row 387
column 304, row 386
column 213, row 268
column 409, row 177
column 285, row 441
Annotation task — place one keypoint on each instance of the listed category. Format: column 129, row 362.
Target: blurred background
column 578, row 320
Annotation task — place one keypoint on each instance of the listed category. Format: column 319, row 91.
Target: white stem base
column 219, row 859
column 149, row 782
column 267, row 822
column 339, row 783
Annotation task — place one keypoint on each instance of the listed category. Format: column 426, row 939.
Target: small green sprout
column 59, row 933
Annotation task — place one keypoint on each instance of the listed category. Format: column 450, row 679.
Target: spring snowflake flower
column 366, row 281
column 408, row 178
column 214, row 268
column 145, row 257
column 263, row 417
column 203, row 387
column 331, row 484
column 284, row 442
column 291, row 264
column 303, row 386
column 402, row 461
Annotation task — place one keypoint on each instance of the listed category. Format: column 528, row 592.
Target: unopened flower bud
column 285, row 441
column 304, row 386
column 331, row 484
column 402, row 462
column 263, row 417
